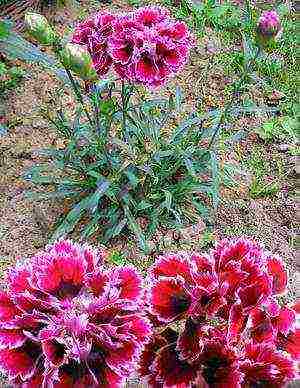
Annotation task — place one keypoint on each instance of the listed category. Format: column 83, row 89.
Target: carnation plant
column 127, row 162
column 199, row 320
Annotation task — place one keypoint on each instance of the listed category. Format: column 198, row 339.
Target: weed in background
column 10, row 77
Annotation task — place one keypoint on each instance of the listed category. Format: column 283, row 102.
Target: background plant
column 235, row 26
column 127, row 163
column 137, row 178
column 221, row 17
column 10, row 76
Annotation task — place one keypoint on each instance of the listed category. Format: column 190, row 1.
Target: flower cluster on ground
column 65, row 321
column 145, row 46
column 217, row 321
column 209, row 320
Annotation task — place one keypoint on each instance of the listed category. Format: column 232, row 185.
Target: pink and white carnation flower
column 217, row 321
column 144, row 46
column 66, row 321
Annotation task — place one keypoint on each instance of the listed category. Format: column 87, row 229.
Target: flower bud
column 76, row 58
column 268, row 25
column 40, row 29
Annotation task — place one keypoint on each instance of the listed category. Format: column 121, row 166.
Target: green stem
column 234, row 94
column 57, row 48
column 249, row 9
column 124, row 106
column 79, row 95
column 95, row 103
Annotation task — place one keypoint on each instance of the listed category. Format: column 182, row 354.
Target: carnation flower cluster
column 145, row 46
column 198, row 320
column 67, row 322
column 217, row 321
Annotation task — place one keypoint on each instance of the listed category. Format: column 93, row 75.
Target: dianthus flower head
column 65, row 321
column 145, row 46
column 269, row 24
column 217, row 321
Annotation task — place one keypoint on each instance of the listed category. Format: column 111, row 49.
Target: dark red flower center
column 205, row 299
column 74, row 370
column 180, row 303
column 31, row 349
column 128, row 48
column 56, row 351
column 80, row 374
column 212, row 368
column 282, row 341
column 66, row 290
column 260, row 384
column 96, row 362
column 147, row 59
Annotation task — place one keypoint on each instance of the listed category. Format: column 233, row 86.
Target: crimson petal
column 54, row 351
column 220, row 367
column 172, row 265
column 129, row 282
column 261, row 326
column 169, row 299
column 11, row 338
column 278, row 273
column 20, row 362
column 173, row 371
column 255, row 293
column 290, row 343
column 189, row 342
column 8, row 310
column 236, row 323
column 264, row 366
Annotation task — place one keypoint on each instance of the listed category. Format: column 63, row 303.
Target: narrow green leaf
column 168, row 200
column 202, row 209
column 71, row 219
column 136, row 229
column 190, row 166
column 215, row 179
column 154, row 222
column 162, row 154
column 102, row 187
column 177, row 217
column 143, row 205
column 123, row 146
column 180, row 132
column 178, row 98
column 16, row 47
column 92, row 227
column 5, row 28
column 3, row 130
column 35, row 175
column 117, row 258
column 115, row 230
column 133, row 179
